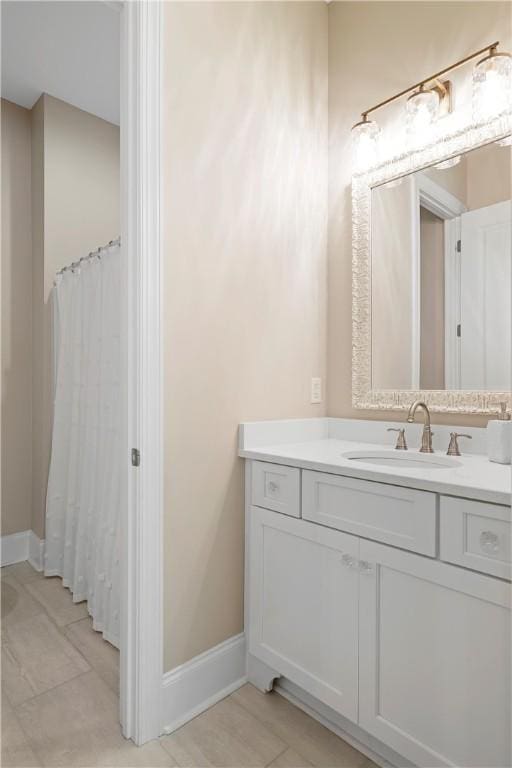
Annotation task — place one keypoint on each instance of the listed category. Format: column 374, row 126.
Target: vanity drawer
column 276, row 487
column 402, row 517
column 476, row 535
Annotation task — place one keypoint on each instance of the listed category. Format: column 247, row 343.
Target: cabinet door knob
column 273, row 486
column 365, row 567
column 489, row 541
column 349, row 561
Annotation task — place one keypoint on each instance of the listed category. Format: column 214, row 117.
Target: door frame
column 426, row 193
column 141, row 608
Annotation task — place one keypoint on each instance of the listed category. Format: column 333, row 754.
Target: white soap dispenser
column 499, row 437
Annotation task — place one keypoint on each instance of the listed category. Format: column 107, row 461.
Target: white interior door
column 486, row 298
column 304, row 606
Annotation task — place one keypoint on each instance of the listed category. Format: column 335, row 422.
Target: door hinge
column 459, row 246
column 135, row 457
column 458, row 330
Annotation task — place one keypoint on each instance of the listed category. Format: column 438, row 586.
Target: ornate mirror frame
column 363, row 396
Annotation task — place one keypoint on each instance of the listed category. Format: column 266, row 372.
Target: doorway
column 140, row 443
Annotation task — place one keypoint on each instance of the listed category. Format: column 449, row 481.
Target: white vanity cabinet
column 415, row 651
column 304, row 605
column 477, row 536
column 434, row 660
column 403, row 517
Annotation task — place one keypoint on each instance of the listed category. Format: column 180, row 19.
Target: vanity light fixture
column 432, row 97
column 492, row 84
column 422, row 110
column 365, row 136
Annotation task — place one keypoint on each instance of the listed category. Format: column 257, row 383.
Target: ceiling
column 67, row 49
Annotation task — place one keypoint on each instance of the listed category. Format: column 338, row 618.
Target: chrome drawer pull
column 273, row 486
column 489, row 541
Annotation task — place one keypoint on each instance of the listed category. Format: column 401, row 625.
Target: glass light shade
column 451, row 163
column 492, row 86
column 365, row 144
column 422, row 109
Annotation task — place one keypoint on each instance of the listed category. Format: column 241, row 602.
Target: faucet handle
column 453, row 448
column 401, row 443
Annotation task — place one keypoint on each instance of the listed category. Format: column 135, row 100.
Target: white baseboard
column 14, row 548
column 21, row 546
column 201, row 682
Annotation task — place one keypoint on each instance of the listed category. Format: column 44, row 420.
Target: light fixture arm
column 492, row 49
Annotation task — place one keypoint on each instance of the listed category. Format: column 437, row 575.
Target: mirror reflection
column 441, row 276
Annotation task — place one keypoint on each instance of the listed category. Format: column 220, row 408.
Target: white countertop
column 475, row 478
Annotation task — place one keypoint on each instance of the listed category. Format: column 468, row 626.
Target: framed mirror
column 432, row 278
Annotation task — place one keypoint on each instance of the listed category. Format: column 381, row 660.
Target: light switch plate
column 316, row 390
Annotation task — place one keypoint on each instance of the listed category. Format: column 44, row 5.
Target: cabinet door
column 434, row 660
column 304, row 606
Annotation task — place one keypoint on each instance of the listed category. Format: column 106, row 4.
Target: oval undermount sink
column 403, row 459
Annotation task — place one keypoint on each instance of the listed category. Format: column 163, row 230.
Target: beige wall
column 81, row 184
column 392, row 271
column 489, row 176
column 16, row 286
column 483, row 177
column 454, row 180
column 245, row 131
column 375, row 50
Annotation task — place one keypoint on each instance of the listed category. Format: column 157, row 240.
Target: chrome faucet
column 426, row 437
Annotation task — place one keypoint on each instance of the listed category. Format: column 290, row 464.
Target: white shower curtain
column 83, row 498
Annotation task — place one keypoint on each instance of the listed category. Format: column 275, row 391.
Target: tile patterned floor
column 60, row 683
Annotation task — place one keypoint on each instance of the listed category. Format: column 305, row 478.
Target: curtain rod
column 90, row 255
